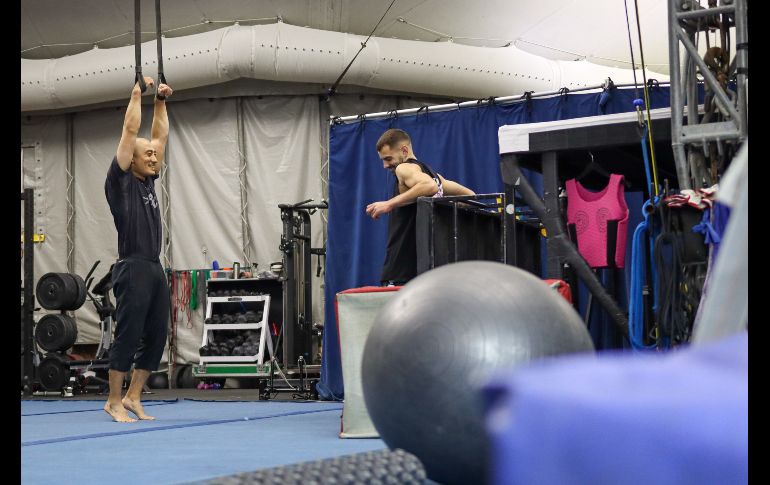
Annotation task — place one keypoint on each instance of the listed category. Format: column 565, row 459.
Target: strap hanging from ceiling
column 138, row 46
column 139, row 78
column 158, row 38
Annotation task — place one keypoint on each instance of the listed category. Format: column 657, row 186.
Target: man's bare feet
column 136, row 408
column 118, row 413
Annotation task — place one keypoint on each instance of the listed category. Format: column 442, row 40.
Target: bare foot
column 136, row 408
column 118, row 413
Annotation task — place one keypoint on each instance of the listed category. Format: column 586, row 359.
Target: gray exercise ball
column 435, row 343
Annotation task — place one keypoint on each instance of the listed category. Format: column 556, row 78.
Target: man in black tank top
column 138, row 278
column 413, row 179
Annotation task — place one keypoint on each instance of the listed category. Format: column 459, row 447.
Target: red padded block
column 562, row 287
column 371, row 289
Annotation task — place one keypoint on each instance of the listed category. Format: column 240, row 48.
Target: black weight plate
column 81, row 292
column 187, row 379
column 55, row 332
column 73, row 335
column 53, row 372
column 51, row 291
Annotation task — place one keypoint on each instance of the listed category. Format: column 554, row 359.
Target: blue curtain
column 460, row 144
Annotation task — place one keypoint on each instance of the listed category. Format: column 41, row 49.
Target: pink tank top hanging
column 590, row 211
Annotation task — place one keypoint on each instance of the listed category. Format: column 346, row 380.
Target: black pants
column 142, row 314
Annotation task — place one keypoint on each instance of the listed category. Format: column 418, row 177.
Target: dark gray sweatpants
column 142, row 314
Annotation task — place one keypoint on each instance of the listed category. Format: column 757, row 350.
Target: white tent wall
column 45, row 172
column 285, row 140
column 43, row 141
column 204, row 192
column 282, row 141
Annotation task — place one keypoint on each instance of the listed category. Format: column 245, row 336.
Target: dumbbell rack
column 236, row 365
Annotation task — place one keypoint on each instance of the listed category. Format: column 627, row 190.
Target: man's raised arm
column 131, row 125
column 160, row 124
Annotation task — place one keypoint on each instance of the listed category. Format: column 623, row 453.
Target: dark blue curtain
column 460, row 144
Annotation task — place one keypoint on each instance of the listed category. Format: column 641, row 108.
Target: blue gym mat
column 66, row 441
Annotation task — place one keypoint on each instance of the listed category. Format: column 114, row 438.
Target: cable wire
column 333, row 89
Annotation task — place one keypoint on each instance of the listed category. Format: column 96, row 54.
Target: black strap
column 612, row 241
column 431, row 173
column 527, row 97
column 139, row 78
column 161, row 77
column 138, row 47
column 572, row 232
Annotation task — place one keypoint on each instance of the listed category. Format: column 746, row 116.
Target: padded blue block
column 620, row 418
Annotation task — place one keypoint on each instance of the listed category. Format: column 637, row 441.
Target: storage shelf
column 247, row 302
column 244, row 359
column 232, row 326
column 236, row 299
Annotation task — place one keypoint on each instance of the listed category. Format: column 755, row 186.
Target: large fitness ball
column 434, row 344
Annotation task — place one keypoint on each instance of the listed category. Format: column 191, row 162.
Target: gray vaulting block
column 356, row 310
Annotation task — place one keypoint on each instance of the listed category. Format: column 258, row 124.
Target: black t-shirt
column 135, row 210
column 401, row 253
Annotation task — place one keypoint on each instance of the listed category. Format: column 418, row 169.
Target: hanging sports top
column 599, row 222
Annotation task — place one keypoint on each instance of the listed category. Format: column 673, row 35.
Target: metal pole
column 245, row 228
column 680, row 157
column 288, row 247
column 29, row 297
column 475, row 103
column 165, row 220
column 708, row 77
column 454, row 227
column 306, row 325
column 503, row 230
column 70, row 169
column 742, row 63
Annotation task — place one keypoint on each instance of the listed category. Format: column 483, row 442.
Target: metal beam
column 700, row 132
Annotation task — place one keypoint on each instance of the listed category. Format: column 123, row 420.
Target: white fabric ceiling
column 557, row 29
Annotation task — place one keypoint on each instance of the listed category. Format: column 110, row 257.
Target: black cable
column 333, row 89
column 675, row 306
column 631, row 48
column 646, row 101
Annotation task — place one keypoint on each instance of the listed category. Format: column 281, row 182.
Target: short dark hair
column 391, row 137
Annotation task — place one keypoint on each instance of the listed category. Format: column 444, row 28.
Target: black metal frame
column 503, row 208
column 28, row 307
column 296, row 244
column 426, row 213
column 563, row 255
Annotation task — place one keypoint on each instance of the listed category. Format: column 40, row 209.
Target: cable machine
column 297, row 285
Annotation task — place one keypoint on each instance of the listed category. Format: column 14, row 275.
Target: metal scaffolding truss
column 702, row 146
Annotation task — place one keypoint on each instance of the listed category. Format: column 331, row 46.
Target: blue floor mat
column 189, row 441
column 36, row 408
